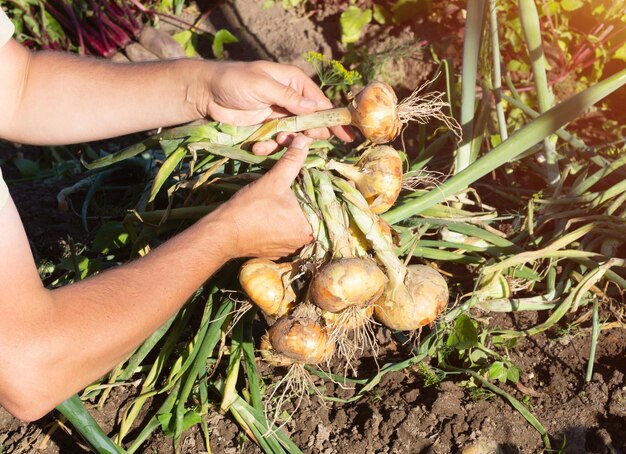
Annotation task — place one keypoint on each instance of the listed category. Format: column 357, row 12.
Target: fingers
column 289, row 88
column 288, row 166
column 344, row 133
column 275, row 93
column 284, row 139
column 264, row 148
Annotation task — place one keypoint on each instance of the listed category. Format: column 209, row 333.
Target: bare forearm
column 75, row 334
column 67, row 99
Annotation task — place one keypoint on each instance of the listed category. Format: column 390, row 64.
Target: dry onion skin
column 375, row 112
column 301, row 339
column 346, row 282
column 426, row 297
column 377, row 175
column 271, row 356
column 267, row 284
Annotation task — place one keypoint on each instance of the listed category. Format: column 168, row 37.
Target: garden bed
column 412, row 410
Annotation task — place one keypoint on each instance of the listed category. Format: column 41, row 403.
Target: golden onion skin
column 267, row 285
column 301, row 339
column 345, row 282
column 383, row 167
column 375, row 112
column 427, row 297
column 271, row 356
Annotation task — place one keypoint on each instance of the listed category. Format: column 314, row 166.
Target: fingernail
column 300, row 142
column 306, row 103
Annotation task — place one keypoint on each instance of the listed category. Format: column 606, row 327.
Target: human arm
column 55, row 98
column 55, row 342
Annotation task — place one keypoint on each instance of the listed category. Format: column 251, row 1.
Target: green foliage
column 332, row 73
column 353, row 20
column 188, row 40
column 27, row 167
column 430, row 375
column 222, row 37
column 110, row 236
column 579, row 38
column 523, row 242
column 465, row 334
column 405, row 10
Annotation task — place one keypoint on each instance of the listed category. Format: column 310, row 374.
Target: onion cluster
column 360, row 277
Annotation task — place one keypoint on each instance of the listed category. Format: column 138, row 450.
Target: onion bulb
column 271, row 356
column 301, row 339
column 415, row 304
column 345, row 282
column 377, row 175
column 375, row 112
column 268, row 285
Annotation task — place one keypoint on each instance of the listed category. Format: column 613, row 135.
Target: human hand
column 264, row 218
column 251, row 93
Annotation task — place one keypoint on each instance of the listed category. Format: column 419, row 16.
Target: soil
column 402, row 414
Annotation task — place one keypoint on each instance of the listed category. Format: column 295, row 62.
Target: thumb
column 288, row 166
column 286, row 97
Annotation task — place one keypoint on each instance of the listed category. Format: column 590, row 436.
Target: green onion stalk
column 415, row 295
column 375, row 111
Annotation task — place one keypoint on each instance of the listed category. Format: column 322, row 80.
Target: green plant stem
column 325, row 118
column 471, row 50
column 518, row 143
column 333, row 214
column 76, row 413
column 570, row 302
column 234, row 365
column 370, row 227
column 154, row 422
column 562, row 133
column 147, row 387
column 595, row 333
column 532, row 34
column 497, row 76
column 207, row 344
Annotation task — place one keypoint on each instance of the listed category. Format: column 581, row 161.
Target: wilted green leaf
column 222, row 37
column 620, row 53
column 498, row 371
column 495, row 140
column 514, row 65
column 465, row 334
column 111, row 235
column 405, row 10
column 191, row 419
column 571, row 5
column 27, row 167
column 513, row 374
column 381, row 14
column 166, row 170
column 81, row 265
column 352, row 21
column 477, row 356
column 53, row 28
column 188, row 40
column 169, row 146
